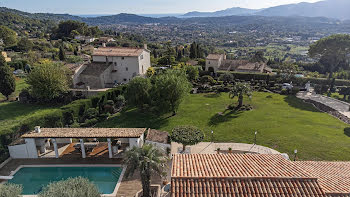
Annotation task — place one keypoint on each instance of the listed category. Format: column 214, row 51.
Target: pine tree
column 62, row 54
column 7, row 81
column 193, row 50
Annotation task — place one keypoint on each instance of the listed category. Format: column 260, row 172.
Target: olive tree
column 170, row 89
column 72, row 187
column 186, row 135
column 239, row 90
column 48, row 81
column 10, row 190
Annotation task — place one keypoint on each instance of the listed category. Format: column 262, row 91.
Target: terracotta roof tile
column 117, row 52
column 234, row 165
column 242, row 187
column 334, row 177
column 240, row 175
column 86, row 133
column 214, row 56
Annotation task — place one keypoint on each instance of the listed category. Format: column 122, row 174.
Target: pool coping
column 78, row 165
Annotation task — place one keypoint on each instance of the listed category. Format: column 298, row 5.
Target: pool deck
column 128, row 187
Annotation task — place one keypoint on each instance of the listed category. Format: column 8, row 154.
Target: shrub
column 226, row 77
column 91, row 113
column 294, row 90
column 72, row 187
column 120, row 101
column 10, row 190
column 89, row 122
column 207, row 79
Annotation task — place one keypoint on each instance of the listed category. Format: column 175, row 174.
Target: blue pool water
column 33, row 179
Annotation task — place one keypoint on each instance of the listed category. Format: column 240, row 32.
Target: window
column 126, row 68
column 209, row 62
column 123, row 58
column 142, row 68
column 141, row 57
column 124, row 79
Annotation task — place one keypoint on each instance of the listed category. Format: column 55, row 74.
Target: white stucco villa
column 111, row 66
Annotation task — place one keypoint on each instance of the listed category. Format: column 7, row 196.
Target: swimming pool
column 34, row 179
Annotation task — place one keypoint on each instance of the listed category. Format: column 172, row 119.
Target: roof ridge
column 206, row 177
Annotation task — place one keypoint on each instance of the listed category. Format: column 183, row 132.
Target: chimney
column 37, row 129
column 104, row 45
column 145, row 46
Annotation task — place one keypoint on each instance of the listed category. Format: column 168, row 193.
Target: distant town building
column 111, row 66
column 216, row 62
column 86, row 39
column 7, row 59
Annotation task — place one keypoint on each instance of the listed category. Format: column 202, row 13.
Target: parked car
column 287, row 86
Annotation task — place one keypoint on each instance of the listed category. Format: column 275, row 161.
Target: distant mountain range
column 338, row 9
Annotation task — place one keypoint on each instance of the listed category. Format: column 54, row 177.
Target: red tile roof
column 117, row 52
column 240, row 175
column 333, row 177
column 242, row 187
column 234, row 165
column 214, row 56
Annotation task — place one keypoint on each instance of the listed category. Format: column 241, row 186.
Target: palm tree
column 148, row 160
column 239, row 90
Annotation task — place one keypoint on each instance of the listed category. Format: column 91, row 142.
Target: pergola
column 134, row 135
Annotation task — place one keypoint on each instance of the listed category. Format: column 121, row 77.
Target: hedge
column 54, row 118
column 269, row 77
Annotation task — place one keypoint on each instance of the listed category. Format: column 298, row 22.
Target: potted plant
column 218, row 150
column 230, row 150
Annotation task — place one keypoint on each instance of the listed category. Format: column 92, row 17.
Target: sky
column 137, row 6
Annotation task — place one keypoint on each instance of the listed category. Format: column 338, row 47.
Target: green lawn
column 13, row 113
column 20, row 85
column 284, row 123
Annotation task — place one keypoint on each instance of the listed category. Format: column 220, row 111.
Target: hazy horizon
column 141, row 7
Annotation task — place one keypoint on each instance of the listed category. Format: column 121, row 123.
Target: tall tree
column 170, row 89
column 239, row 90
column 193, row 50
column 148, row 160
column 332, row 52
column 48, row 81
column 7, row 80
column 25, row 45
column 62, row 53
column 138, row 92
column 8, row 36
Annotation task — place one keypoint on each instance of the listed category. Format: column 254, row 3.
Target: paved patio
column 210, row 148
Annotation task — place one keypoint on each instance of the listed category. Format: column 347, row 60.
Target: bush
column 10, row 190
column 89, row 122
column 295, row 91
column 72, row 187
column 120, row 101
column 226, row 77
column 91, row 113
column 207, row 79
column 321, row 89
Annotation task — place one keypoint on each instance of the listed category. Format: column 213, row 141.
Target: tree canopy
column 10, row 190
column 170, row 88
column 48, row 81
column 72, row 187
column 7, row 80
column 332, row 52
column 138, row 92
column 71, row 28
column 187, row 135
column 239, row 90
column 148, row 160
column 8, row 36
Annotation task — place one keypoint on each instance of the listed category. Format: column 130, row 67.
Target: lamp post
column 256, row 132
column 295, row 154
column 212, row 136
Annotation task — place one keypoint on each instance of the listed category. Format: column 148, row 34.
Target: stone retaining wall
column 329, row 110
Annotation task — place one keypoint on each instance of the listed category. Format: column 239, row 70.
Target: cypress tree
column 7, row 81
column 62, row 54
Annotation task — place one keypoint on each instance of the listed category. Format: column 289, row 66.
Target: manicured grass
column 13, row 113
column 284, row 123
column 20, row 85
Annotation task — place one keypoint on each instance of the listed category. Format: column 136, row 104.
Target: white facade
column 136, row 142
column 24, row 151
column 123, row 69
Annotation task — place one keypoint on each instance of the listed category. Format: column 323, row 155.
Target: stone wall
column 329, row 110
